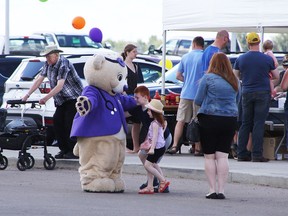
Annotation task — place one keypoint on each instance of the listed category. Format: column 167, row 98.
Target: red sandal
column 163, row 185
column 146, row 190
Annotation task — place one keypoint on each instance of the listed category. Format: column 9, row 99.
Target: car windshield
column 76, row 41
column 27, row 71
column 170, row 76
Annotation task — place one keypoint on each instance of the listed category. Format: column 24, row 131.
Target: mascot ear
column 98, row 61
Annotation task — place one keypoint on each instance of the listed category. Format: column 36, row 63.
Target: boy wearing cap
column 66, row 86
column 253, row 68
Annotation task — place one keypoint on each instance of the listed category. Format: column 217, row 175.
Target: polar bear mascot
column 100, row 125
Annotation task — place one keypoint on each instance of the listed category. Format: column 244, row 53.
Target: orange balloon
column 78, row 22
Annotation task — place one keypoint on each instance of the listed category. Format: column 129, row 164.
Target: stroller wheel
column 49, row 162
column 30, row 161
column 3, row 162
column 22, row 165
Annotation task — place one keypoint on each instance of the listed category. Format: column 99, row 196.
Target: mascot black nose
column 125, row 88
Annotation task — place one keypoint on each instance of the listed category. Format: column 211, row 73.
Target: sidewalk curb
column 170, row 172
column 199, row 174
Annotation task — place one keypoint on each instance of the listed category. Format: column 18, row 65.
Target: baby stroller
column 20, row 134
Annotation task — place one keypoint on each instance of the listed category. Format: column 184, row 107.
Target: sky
column 127, row 20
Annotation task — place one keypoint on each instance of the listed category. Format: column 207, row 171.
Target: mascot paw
column 76, row 150
column 102, row 185
column 119, row 185
column 83, row 105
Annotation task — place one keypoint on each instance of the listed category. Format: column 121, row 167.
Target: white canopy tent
column 234, row 16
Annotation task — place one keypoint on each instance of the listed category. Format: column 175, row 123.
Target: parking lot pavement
column 185, row 165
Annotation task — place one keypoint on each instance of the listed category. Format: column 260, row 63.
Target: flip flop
column 163, row 185
column 146, row 190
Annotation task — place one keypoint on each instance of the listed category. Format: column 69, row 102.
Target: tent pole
column 262, row 37
column 7, row 48
column 163, row 63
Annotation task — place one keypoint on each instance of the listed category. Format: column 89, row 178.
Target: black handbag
column 192, row 132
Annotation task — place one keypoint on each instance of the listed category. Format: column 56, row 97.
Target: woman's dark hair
column 128, row 48
column 220, row 65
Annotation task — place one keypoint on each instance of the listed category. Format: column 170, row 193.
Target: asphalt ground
column 185, row 165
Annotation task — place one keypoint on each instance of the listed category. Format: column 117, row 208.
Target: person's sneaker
column 261, row 159
column 60, row 155
column 221, row 196
column 144, row 185
column 70, row 155
column 155, row 184
column 244, row 158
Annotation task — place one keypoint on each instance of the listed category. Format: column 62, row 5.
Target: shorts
column 168, row 142
column 216, row 133
column 185, row 110
column 133, row 120
column 158, row 153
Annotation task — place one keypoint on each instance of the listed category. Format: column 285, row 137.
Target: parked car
column 8, row 64
column 21, row 80
column 71, row 43
column 171, row 83
column 157, row 58
column 182, row 45
column 150, row 70
column 24, row 45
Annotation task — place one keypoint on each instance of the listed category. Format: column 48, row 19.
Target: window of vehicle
column 27, row 45
column 49, row 38
column 27, row 71
column 8, row 65
column 76, row 41
column 79, row 68
column 170, row 46
column 150, row 72
column 184, row 47
column 170, row 76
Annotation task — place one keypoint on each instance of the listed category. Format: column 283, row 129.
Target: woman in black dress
column 134, row 76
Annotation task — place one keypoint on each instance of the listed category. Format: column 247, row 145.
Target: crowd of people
column 228, row 102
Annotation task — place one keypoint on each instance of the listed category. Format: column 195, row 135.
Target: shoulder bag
column 192, row 132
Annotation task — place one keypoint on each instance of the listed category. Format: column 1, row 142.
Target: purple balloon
column 96, row 35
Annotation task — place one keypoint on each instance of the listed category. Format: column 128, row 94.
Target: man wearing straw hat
column 66, row 86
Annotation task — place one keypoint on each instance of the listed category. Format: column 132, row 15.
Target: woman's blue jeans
column 255, row 108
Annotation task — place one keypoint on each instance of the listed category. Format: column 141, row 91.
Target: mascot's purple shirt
column 106, row 115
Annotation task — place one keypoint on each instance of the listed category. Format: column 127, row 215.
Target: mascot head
column 106, row 70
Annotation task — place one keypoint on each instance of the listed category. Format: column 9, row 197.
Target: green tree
column 153, row 40
column 241, row 37
column 280, row 43
column 118, row 46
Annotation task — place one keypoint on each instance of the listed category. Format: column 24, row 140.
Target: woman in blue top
column 218, row 120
